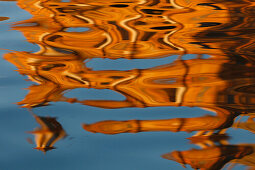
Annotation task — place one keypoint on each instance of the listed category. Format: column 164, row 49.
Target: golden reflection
column 214, row 156
column 123, row 29
column 53, row 74
column 207, row 83
column 139, row 28
column 211, row 84
column 215, row 150
column 48, row 134
column 71, row 33
column 248, row 125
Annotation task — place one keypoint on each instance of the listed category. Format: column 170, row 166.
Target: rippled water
column 127, row 85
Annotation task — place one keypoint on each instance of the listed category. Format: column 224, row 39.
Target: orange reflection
column 4, row 18
column 54, row 74
column 248, row 125
column 71, row 33
column 206, row 83
column 123, row 29
column 215, row 151
column 212, row 156
column 137, row 28
column 48, row 134
column 199, row 82
column 196, row 82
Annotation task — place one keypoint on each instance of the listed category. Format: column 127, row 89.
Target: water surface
column 127, row 84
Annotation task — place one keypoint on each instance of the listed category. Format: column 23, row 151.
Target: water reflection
column 4, row 18
column 138, row 29
column 48, row 134
column 214, row 156
column 71, row 33
column 215, row 150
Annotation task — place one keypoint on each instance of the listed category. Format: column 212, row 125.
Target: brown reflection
column 213, row 156
column 201, row 124
column 53, row 73
column 4, row 18
column 69, row 34
column 247, row 125
column 124, row 29
column 141, row 28
column 196, row 82
column 207, row 83
column 215, row 150
column 48, row 134
column 222, row 121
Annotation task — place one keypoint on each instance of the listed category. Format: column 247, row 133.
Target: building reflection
column 207, row 83
column 71, row 33
column 118, row 30
column 215, row 150
column 214, row 156
column 140, row 28
column 48, row 134
column 203, row 125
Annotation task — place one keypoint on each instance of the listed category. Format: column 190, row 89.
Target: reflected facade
column 70, row 34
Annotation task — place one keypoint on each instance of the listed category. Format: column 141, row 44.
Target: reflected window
column 246, row 89
column 231, row 99
column 77, row 29
column 166, row 81
column 171, row 94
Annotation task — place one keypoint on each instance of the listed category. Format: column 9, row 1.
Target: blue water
column 81, row 149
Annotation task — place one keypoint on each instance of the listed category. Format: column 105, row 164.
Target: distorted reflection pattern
column 49, row 133
column 70, row 34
